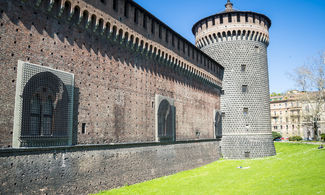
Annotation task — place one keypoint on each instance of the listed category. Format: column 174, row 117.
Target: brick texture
column 115, row 82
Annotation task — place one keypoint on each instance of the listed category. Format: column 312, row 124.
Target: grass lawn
column 296, row 169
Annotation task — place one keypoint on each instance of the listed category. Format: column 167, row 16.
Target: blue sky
column 297, row 33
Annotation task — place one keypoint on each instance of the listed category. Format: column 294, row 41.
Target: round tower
column 238, row 40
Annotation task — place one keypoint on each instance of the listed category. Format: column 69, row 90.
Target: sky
column 297, row 34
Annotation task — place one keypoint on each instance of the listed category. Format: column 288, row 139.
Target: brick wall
column 90, row 169
column 115, row 81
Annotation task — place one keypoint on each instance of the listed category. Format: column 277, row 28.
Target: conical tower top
column 229, row 6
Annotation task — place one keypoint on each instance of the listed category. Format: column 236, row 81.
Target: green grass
column 296, row 169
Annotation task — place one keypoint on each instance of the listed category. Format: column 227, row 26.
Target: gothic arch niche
column 218, row 124
column 165, row 119
column 43, row 107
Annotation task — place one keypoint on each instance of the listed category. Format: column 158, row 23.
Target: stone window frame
column 158, row 100
column 28, row 85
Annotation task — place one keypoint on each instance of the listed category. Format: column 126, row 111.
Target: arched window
column 44, row 114
column 43, row 107
column 165, row 121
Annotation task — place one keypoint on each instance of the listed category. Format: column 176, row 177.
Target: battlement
column 129, row 24
column 232, row 25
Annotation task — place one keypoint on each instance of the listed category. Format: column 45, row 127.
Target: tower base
column 247, row 146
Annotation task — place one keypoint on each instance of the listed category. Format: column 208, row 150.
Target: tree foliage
column 276, row 135
column 295, row 138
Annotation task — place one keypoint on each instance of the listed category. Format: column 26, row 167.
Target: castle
column 99, row 94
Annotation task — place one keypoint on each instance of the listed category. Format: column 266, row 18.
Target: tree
column 276, row 135
column 310, row 78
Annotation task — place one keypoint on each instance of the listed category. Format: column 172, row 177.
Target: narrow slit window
column 244, row 88
column 126, row 9
column 160, row 30
column 152, row 26
column 238, row 17
column 243, row 67
column 144, row 21
column 83, row 128
column 257, row 49
column 135, row 16
column 245, row 111
column 115, row 5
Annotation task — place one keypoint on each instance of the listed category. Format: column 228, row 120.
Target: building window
column 44, row 110
column 126, row 9
column 238, row 17
column 229, row 18
column 152, row 26
column 221, row 19
column 218, row 124
column 115, row 5
column 41, row 112
column 160, row 31
column 178, row 44
column 166, row 117
column 257, row 49
column 244, row 88
column 245, row 111
column 243, row 67
column 83, row 128
column 144, row 21
column 135, row 18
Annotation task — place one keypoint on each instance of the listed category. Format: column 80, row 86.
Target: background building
column 238, row 40
column 292, row 114
column 286, row 114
